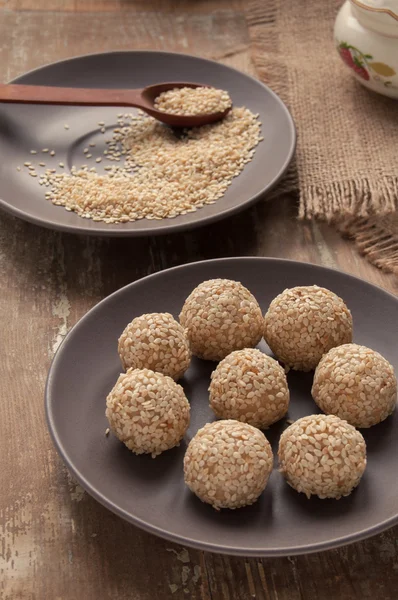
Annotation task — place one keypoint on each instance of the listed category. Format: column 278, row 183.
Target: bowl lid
column 385, row 9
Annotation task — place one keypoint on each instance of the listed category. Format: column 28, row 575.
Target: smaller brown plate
column 33, row 127
column 151, row 492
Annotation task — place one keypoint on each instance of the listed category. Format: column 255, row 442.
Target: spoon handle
column 43, row 94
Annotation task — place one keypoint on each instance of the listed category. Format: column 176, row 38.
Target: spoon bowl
column 151, row 92
column 139, row 98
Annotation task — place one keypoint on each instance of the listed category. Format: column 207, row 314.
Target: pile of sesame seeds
column 147, row 411
column 155, row 341
column 357, row 384
column 322, row 455
column 251, row 387
column 227, row 464
column 193, row 101
column 221, row 316
column 152, row 172
column 304, row 322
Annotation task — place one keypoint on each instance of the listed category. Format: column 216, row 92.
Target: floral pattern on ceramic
column 364, row 65
column 366, row 35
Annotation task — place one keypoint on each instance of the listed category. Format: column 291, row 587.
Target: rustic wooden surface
column 56, row 542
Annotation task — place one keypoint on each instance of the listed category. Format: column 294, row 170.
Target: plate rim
column 153, row 529
column 102, row 231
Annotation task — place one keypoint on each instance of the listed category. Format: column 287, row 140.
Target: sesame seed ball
column 227, row 464
column 147, row 411
column 155, row 341
column 356, row 384
column 221, row 316
column 251, row 387
column 303, row 323
column 322, row 455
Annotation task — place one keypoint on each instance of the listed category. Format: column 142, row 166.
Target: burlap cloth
column 346, row 166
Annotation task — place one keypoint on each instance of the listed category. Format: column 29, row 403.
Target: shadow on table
column 96, row 266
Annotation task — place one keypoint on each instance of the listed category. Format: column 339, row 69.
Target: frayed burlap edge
column 348, row 204
column 352, row 198
column 376, row 238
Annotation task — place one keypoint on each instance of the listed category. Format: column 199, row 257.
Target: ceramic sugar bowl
column 366, row 35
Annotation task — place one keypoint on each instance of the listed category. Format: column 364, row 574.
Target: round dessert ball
column 227, row 464
column 251, row 387
column 155, row 341
column 303, row 323
column 221, row 316
column 322, row 455
column 147, row 411
column 356, row 384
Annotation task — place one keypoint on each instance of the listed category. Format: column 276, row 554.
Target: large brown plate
column 150, row 493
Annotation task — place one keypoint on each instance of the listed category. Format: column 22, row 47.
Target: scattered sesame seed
column 107, row 431
column 61, row 164
column 52, row 153
column 27, row 164
column 102, row 130
column 45, row 150
column 33, row 151
column 159, row 174
column 42, row 164
column 66, row 126
column 92, row 145
column 85, row 150
column 18, row 168
column 98, row 160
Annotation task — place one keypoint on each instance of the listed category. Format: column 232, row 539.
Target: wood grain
column 97, row 6
column 29, row 40
column 57, row 543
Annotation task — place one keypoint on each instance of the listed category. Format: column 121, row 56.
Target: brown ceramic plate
column 26, row 127
column 151, row 493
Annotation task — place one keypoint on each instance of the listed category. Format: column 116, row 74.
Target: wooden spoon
column 139, row 98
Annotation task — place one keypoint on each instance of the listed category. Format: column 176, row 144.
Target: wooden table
column 57, row 542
